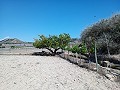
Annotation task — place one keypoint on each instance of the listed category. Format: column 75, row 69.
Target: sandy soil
column 24, row 50
column 48, row 73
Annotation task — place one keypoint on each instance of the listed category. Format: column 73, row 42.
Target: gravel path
column 48, row 73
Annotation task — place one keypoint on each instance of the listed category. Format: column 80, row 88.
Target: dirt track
column 48, row 73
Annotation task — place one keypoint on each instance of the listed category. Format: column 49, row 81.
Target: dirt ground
column 23, row 50
column 24, row 72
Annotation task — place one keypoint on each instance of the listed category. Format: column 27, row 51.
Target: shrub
column 12, row 47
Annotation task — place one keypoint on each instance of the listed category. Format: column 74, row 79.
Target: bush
column 75, row 49
column 2, row 46
column 83, row 48
column 12, row 47
column 106, row 33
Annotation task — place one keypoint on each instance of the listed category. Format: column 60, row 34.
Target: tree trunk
column 88, row 55
column 106, row 40
column 50, row 50
column 96, row 57
column 53, row 52
column 68, row 54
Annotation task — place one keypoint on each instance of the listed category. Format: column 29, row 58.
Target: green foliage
column 12, row 47
column 52, row 42
column 83, row 48
column 64, row 40
column 75, row 49
column 68, row 48
column 37, row 44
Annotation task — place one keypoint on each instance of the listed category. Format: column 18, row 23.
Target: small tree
column 83, row 48
column 75, row 49
column 52, row 43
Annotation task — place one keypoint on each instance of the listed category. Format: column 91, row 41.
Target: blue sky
column 26, row 19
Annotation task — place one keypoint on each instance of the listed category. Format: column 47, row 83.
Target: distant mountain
column 11, row 41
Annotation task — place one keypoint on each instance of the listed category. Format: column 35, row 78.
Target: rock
column 106, row 64
column 112, row 58
column 115, row 66
column 82, row 57
column 110, row 77
column 81, row 62
column 94, row 69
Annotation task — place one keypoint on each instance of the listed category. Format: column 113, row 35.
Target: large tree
column 106, row 33
column 53, row 43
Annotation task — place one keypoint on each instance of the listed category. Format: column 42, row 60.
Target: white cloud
column 4, row 38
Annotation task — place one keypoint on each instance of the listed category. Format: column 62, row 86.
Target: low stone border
column 111, row 74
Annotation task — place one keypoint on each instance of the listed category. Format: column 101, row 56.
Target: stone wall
column 109, row 73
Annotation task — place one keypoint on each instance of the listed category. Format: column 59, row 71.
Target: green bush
column 83, row 48
column 68, row 48
column 75, row 49
column 12, row 47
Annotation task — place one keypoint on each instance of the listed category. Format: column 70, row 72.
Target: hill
column 11, row 41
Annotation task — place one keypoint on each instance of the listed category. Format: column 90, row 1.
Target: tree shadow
column 44, row 53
